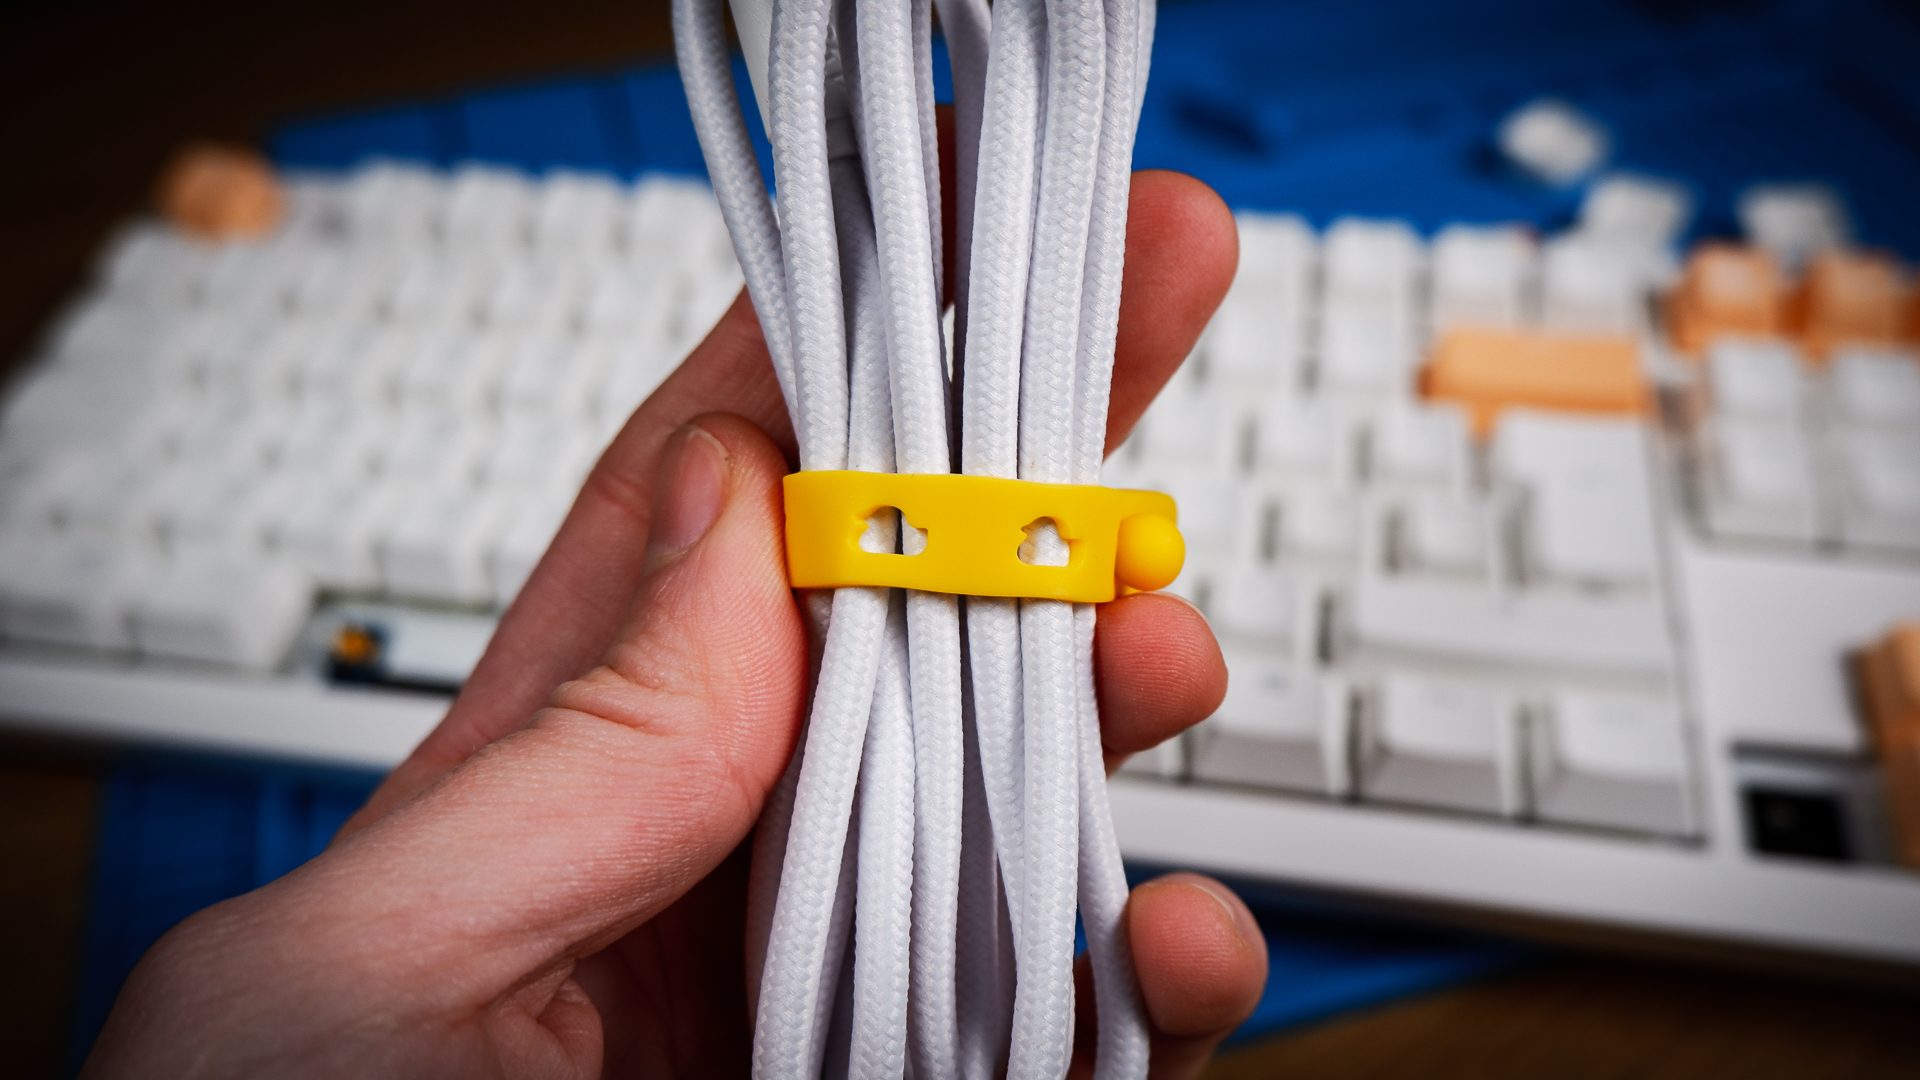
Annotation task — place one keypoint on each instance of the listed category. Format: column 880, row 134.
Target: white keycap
column 215, row 606
column 1876, row 387
column 531, row 519
column 1303, row 438
column 435, row 444
column 537, row 451
column 580, row 214
column 1481, row 275
column 1588, row 515
column 1613, row 761
column 1255, row 342
column 628, row 300
column 629, row 373
column 1637, row 209
column 437, row 547
column 394, row 204
column 1758, row 481
column 1371, row 266
column 488, row 207
column 155, row 264
column 1881, row 481
column 1278, row 254
column 1319, row 520
column 1440, row 532
column 1362, row 352
column 1257, row 597
column 1753, row 377
column 1553, row 141
column 1186, row 430
column 676, row 218
column 1416, row 443
column 332, row 527
column 1794, row 221
column 1281, row 726
column 461, row 372
column 1441, row 742
column 99, row 491
column 65, row 590
column 1623, row 632
column 1167, row 761
column 1592, row 285
column 1210, row 508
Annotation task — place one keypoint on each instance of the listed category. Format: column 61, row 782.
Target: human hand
column 553, row 884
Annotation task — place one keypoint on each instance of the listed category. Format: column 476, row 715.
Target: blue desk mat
column 179, row 833
column 1328, row 107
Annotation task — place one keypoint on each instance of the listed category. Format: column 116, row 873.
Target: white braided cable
column 979, row 820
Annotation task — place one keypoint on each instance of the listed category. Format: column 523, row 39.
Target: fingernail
column 689, row 494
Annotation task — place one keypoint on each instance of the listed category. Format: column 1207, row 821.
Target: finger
column 1202, row 964
column 1158, row 670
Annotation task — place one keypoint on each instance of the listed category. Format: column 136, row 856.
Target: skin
column 553, row 884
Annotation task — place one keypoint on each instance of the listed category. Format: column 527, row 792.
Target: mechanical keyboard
column 1540, row 553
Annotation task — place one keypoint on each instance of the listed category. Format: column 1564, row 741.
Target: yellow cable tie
column 1117, row 539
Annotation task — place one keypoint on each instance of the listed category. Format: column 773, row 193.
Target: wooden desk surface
column 95, row 93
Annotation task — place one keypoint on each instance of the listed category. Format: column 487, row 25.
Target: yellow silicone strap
column 974, row 527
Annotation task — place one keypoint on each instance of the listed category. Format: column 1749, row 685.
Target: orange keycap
column 1726, row 290
column 1489, row 370
column 1890, row 686
column 220, row 192
column 1852, row 297
column 1889, row 675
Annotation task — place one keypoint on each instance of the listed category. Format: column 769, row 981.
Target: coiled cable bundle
column 918, row 868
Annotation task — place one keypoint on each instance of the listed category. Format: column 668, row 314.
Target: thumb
column 631, row 786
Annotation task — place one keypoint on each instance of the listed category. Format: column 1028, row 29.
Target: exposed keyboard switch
column 1758, row 482
column 1636, row 209
column 1871, row 386
column 1755, row 377
column 1486, row 371
column 1881, row 505
column 1613, row 761
column 213, row 607
column 1727, row 290
column 1481, row 275
column 1440, row 742
column 1588, row 510
column 1793, row 222
column 1282, row 725
column 1852, row 297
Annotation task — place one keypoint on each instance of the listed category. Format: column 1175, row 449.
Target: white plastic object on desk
column 1553, row 141
column 1637, row 209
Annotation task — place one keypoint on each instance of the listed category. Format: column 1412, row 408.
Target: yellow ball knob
column 1151, row 552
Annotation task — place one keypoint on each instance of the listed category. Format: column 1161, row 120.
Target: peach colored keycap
column 1889, row 676
column 1852, row 297
column 1489, row 370
column 220, row 192
column 1890, row 686
column 1727, row 289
